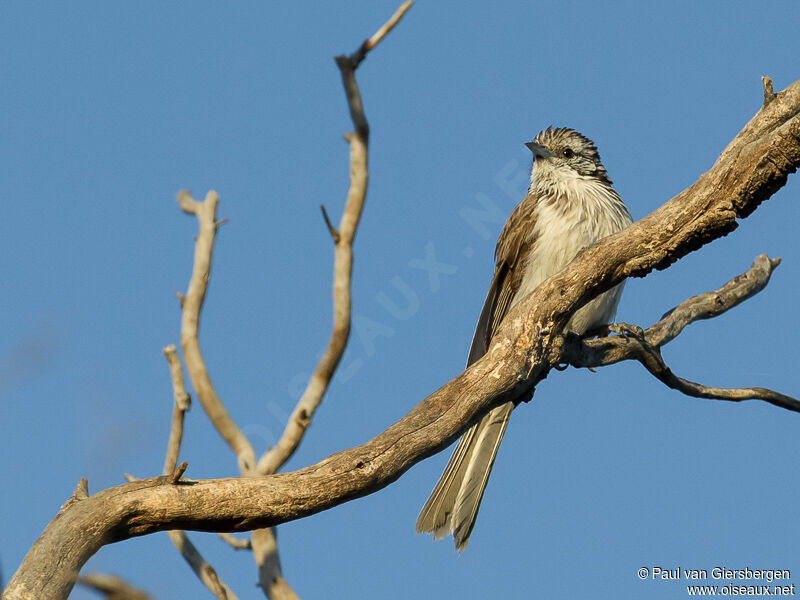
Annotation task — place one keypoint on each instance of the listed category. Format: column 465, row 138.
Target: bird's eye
column 568, row 153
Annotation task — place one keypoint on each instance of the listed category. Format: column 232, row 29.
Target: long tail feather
column 453, row 504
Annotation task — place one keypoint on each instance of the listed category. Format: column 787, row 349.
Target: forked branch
column 646, row 348
column 192, row 304
column 301, row 416
column 264, row 542
column 172, row 472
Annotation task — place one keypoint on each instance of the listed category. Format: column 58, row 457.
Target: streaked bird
column 570, row 204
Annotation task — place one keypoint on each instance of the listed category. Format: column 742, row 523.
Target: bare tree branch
column 646, row 348
column 270, row 575
column 527, row 345
column 112, row 587
column 301, row 416
column 204, row 571
column 181, row 403
column 236, row 543
column 384, row 30
column 192, row 304
column 265, row 547
column 610, row 350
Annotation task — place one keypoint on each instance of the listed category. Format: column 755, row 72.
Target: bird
column 570, row 204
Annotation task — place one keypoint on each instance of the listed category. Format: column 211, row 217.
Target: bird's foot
column 625, row 329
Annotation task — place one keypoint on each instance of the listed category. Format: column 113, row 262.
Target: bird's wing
column 453, row 504
column 512, row 249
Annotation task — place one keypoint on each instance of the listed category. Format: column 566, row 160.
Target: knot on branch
column 303, row 418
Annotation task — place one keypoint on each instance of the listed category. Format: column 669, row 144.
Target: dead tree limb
column 112, row 587
column 264, row 542
column 646, row 347
column 180, row 404
column 201, row 568
column 528, row 344
column 235, row 542
column 192, row 304
column 301, row 416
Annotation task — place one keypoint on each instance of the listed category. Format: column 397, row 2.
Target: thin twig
column 368, row 44
column 204, row 571
column 265, row 549
column 388, row 26
column 769, row 94
column 303, row 412
column 236, row 543
column 112, row 586
column 655, row 364
column 331, row 228
column 178, row 473
column 349, row 64
column 192, row 304
column 180, row 404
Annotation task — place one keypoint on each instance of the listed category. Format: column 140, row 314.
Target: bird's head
column 562, row 153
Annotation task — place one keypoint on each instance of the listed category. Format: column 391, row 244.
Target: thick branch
column 192, row 303
column 189, row 552
column 754, row 165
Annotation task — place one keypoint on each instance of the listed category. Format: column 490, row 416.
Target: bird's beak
column 538, row 150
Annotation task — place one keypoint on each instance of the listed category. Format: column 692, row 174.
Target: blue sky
column 108, row 109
